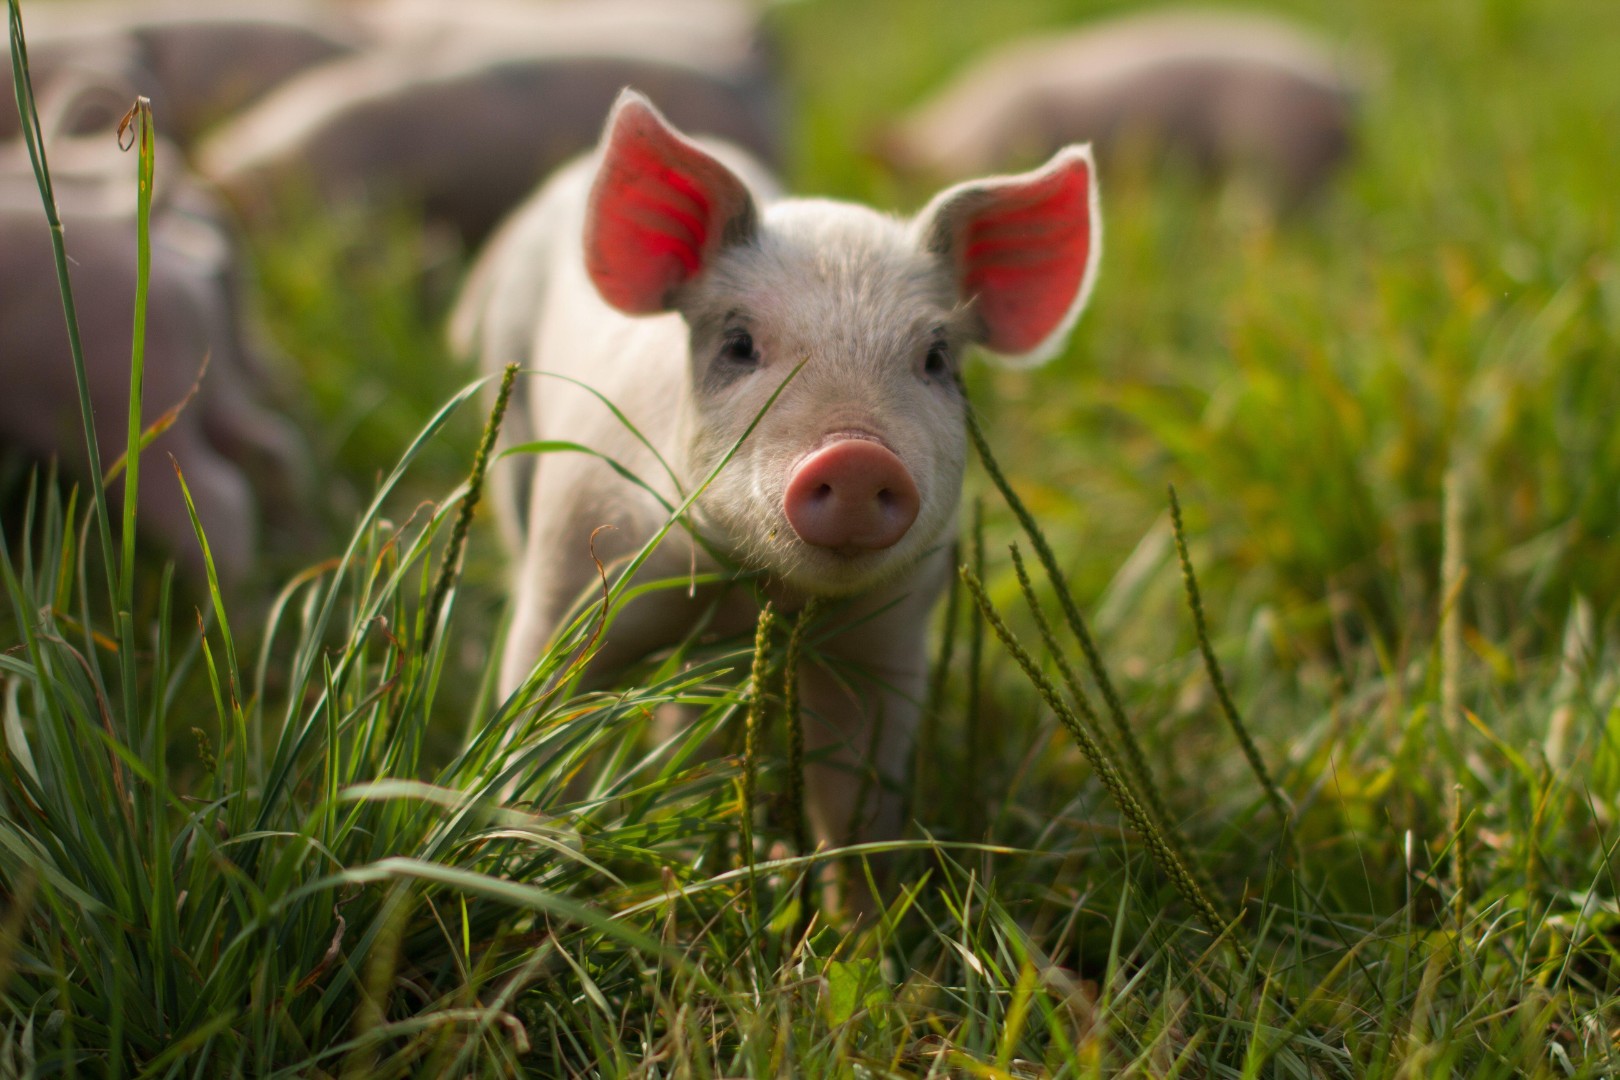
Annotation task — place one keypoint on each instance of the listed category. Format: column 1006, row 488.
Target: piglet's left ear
column 1023, row 250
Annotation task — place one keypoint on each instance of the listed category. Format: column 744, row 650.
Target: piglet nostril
column 851, row 494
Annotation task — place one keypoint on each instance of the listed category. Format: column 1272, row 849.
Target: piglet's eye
column 738, row 348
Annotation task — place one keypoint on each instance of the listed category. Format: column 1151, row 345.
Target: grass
column 317, row 845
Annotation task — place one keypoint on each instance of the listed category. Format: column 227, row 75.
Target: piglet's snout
column 851, row 495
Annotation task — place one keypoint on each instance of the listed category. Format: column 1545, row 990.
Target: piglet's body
column 666, row 275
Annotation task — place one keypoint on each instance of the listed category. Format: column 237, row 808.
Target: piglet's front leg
column 861, row 696
column 858, row 732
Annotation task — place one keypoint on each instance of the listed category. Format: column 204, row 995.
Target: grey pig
column 197, row 61
column 464, row 130
column 722, row 36
column 194, row 311
column 665, row 274
column 1229, row 93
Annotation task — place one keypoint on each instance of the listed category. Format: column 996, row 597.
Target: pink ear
column 1024, row 251
column 659, row 209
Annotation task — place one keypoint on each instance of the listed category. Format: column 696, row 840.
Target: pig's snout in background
column 851, row 495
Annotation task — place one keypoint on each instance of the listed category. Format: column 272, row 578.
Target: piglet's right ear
column 659, row 210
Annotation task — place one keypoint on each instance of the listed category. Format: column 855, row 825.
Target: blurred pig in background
column 226, row 442
column 459, row 109
column 197, row 62
column 722, row 35
column 1231, row 94
column 464, row 139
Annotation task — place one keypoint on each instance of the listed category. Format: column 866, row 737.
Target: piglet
column 1228, row 93
column 667, row 275
column 223, row 438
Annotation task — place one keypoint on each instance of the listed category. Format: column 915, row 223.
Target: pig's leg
column 861, row 701
column 858, row 731
column 557, row 575
column 550, row 593
column 547, row 599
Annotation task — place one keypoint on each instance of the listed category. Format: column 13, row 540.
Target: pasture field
column 1372, row 828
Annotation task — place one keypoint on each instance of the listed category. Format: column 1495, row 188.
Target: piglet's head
column 854, row 471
